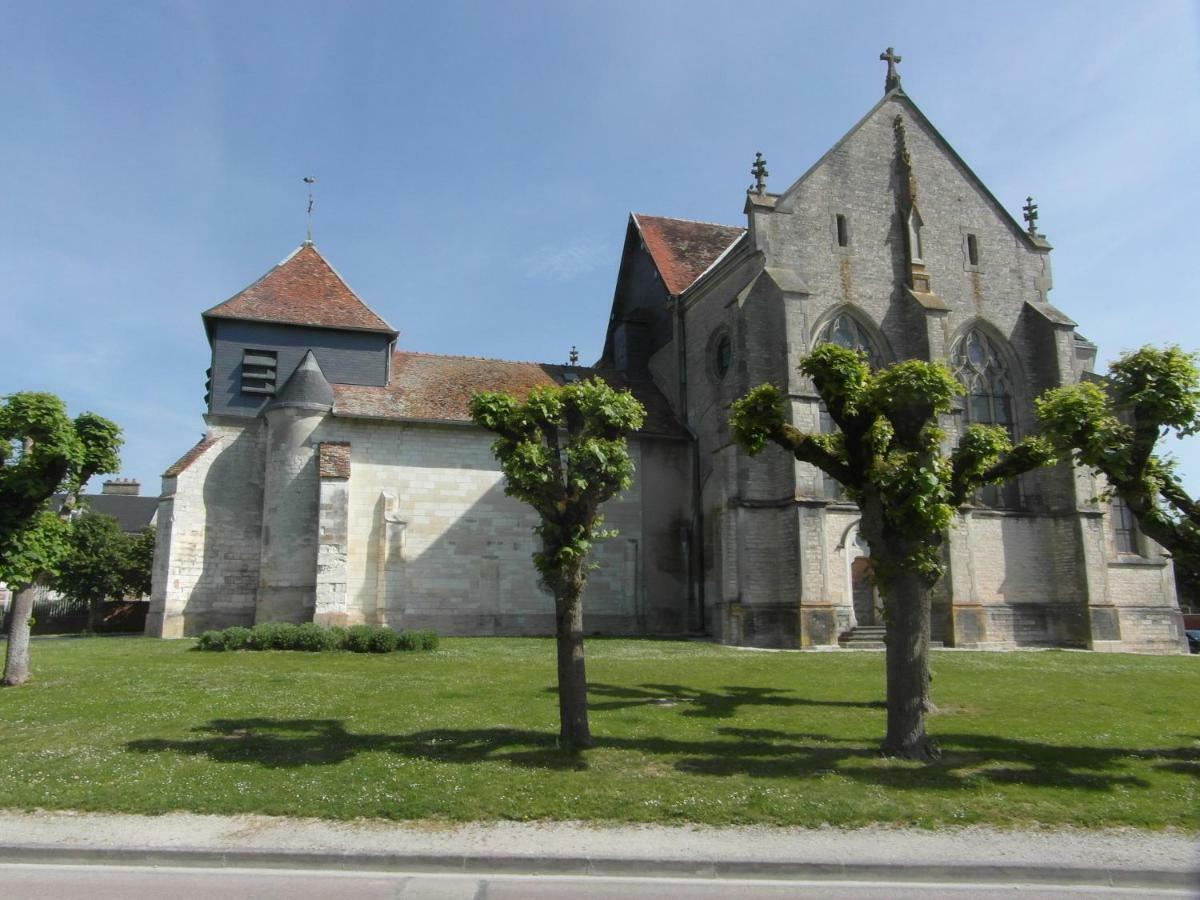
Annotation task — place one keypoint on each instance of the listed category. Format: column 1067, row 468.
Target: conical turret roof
column 306, row 389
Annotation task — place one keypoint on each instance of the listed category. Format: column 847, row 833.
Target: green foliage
column 337, row 638
column 139, row 563
column 1159, row 386
column 43, row 451
column 358, row 638
column 211, row 640
column 382, row 640
column 1115, row 427
column 94, row 568
column 237, row 637
column 273, row 636
column 563, row 451
column 312, row 637
column 417, row 640
column 39, row 547
column 756, row 417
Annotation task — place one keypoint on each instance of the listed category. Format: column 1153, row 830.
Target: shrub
column 337, row 638
column 274, row 636
column 312, row 637
column 236, row 637
column 383, row 640
column 417, row 640
column 358, row 638
column 211, row 640
column 286, row 636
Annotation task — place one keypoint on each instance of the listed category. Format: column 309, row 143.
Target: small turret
column 287, row 572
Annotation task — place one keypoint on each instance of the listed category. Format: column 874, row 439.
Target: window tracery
column 983, row 370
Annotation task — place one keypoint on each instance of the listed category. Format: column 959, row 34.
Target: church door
column 862, row 592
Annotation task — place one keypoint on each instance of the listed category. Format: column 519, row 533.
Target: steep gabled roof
column 681, row 249
column 920, row 117
column 432, row 388
column 302, row 290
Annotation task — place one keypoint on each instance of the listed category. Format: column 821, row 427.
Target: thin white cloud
column 567, row 261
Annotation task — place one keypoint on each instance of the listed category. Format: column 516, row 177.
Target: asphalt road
column 47, row 882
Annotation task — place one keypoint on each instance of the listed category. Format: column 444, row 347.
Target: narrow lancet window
column 972, row 250
column 843, row 232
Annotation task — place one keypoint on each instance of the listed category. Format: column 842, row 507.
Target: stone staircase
column 863, row 637
column 870, row 637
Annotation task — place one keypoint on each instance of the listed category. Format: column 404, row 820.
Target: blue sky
column 477, row 163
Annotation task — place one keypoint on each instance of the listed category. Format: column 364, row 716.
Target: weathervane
column 574, row 357
column 893, row 77
column 760, row 173
column 1031, row 215
column 310, row 181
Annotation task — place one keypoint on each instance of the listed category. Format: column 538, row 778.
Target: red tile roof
column 302, row 290
column 438, row 388
column 681, row 249
column 191, row 456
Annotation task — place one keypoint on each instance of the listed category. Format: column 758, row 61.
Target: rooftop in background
column 132, row 513
column 682, row 249
column 302, row 290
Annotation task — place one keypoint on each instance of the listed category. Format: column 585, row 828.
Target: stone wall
column 434, row 542
column 206, row 559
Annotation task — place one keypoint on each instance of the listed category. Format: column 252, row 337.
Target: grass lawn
column 685, row 732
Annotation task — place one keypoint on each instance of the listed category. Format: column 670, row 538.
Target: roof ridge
column 523, row 362
column 689, row 221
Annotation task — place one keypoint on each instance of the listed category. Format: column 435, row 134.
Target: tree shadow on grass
column 706, row 704
column 968, row 761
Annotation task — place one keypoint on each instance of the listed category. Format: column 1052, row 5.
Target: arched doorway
column 862, row 591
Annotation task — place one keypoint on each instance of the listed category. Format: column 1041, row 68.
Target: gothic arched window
column 844, row 330
column 984, row 371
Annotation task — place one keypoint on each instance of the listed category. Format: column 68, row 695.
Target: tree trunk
column 95, row 616
column 16, row 663
column 907, row 601
column 572, row 681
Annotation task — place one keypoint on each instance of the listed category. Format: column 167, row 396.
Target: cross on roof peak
column 893, row 77
column 1030, row 213
column 760, row 173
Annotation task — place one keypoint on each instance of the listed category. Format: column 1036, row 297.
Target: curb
column 482, row 864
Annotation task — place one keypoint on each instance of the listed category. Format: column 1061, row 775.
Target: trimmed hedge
column 312, row 638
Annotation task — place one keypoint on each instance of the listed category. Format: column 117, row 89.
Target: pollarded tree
column 564, row 452
column 41, row 452
column 887, row 454
column 1115, row 426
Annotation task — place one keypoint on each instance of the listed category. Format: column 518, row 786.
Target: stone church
column 341, row 481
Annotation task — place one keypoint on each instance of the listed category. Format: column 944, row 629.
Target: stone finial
column 893, row 77
column 760, row 173
column 573, row 359
column 1030, row 212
